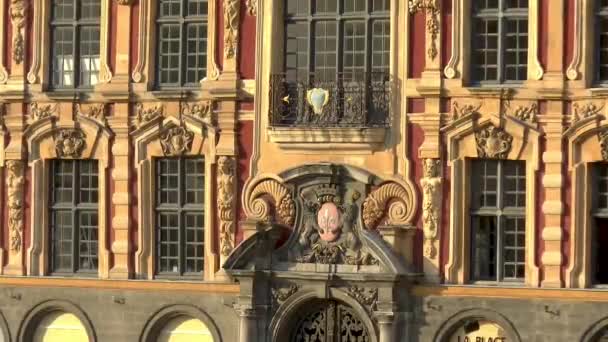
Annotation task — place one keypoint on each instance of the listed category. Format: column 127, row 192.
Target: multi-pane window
column 499, row 41
column 498, row 201
column 602, row 41
column 600, row 215
column 74, row 199
column 181, row 43
column 179, row 216
column 75, row 43
column 336, row 37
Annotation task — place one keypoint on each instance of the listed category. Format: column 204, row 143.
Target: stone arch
column 156, row 323
column 39, row 312
column 456, row 321
column 594, row 332
column 287, row 314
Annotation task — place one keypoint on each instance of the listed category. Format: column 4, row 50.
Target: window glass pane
column 297, row 7
column 325, row 50
column 296, row 50
column 88, row 245
column 167, row 181
column 600, row 244
column 63, row 181
column 90, row 9
column 195, row 181
column 484, row 248
column 197, row 7
column 354, row 5
column 485, row 52
column 381, row 5
column 325, row 6
column 89, row 182
column 353, row 55
column 484, row 184
column 170, row 8
column 63, row 10
column 62, row 239
column 603, row 48
column 63, row 56
column 516, row 3
column 196, row 55
column 169, row 50
column 194, row 243
column 514, row 184
column 89, row 56
column 516, row 49
column 381, row 45
column 168, row 242
column 514, row 248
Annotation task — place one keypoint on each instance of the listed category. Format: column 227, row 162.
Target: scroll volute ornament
column 493, row 142
column 18, row 12
column 259, row 208
column 14, row 184
column 374, row 206
column 70, row 143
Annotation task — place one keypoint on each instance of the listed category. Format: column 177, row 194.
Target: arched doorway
column 329, row 321
column 59, row 326
column 479, row 330
column 185, row 329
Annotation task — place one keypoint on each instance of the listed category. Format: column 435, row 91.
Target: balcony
column 346, row 109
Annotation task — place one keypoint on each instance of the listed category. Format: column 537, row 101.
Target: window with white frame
column 600, row 228
column 497, row 216
column 499, row 41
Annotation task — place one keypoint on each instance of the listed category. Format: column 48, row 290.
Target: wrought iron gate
column 330, row 321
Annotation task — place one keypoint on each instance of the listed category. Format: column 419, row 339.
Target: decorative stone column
column 247, row 323
column 226, row 200
column 386, row 326
column 431, row 216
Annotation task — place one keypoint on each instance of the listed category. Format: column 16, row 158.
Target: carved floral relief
column 14, row 184
column 145, row 115
column 582, row 111
column 200, row 110
column 432, row 23
column 231, row 27
column 460, row 111
column 18, row 12
column 94, row 111
column 225, row 204
column 39, row 112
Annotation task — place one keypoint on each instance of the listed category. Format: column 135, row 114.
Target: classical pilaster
column 554, row 75
column 232, row 19
column 431, row 76
column 121, row 198
column 15, row 167
column 226, row 200
column 386, row 326
column 553, row 207
column 115, row 82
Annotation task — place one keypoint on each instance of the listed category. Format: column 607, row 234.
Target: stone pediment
column 328, row 232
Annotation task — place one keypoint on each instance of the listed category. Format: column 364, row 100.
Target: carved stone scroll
column 70, row 143
column 14, row 184
column 231, row 28
column 431, row 205
column 493, row 142
column 225, row 203
column 258, row 208
column 176, row 141
column 18, row 13
column 374, row 206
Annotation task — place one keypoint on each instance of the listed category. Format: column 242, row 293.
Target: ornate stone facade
column 226, row 203
column 15, row 180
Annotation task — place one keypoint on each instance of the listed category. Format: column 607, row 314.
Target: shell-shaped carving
column 375, row 205
column 260, row 209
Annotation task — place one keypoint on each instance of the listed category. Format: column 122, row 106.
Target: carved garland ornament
column 145, row 115
column 69, row 143
column 14, row 183
column 18, row 12
column 461, row 111
column 375, row 204
column 603, row 137
column 231, row 30
column 176, row 141
column 493, row 142
column 39, row 112
column 225, row 203
column 284, row 204
column 528, row 113
column 432, row 24
column 431, row 205
column 584, row 111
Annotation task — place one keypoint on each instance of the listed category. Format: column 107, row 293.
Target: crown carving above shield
column 317, row 99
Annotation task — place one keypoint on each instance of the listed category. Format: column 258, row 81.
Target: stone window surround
column 584, row 149
column 144, row 74
column 39, row 72
column 146, row 139
column 40, row 140
column 461, row 147
column 582, row 68
column 458, row 65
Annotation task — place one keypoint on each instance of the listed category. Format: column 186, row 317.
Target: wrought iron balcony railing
column 347, row 100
